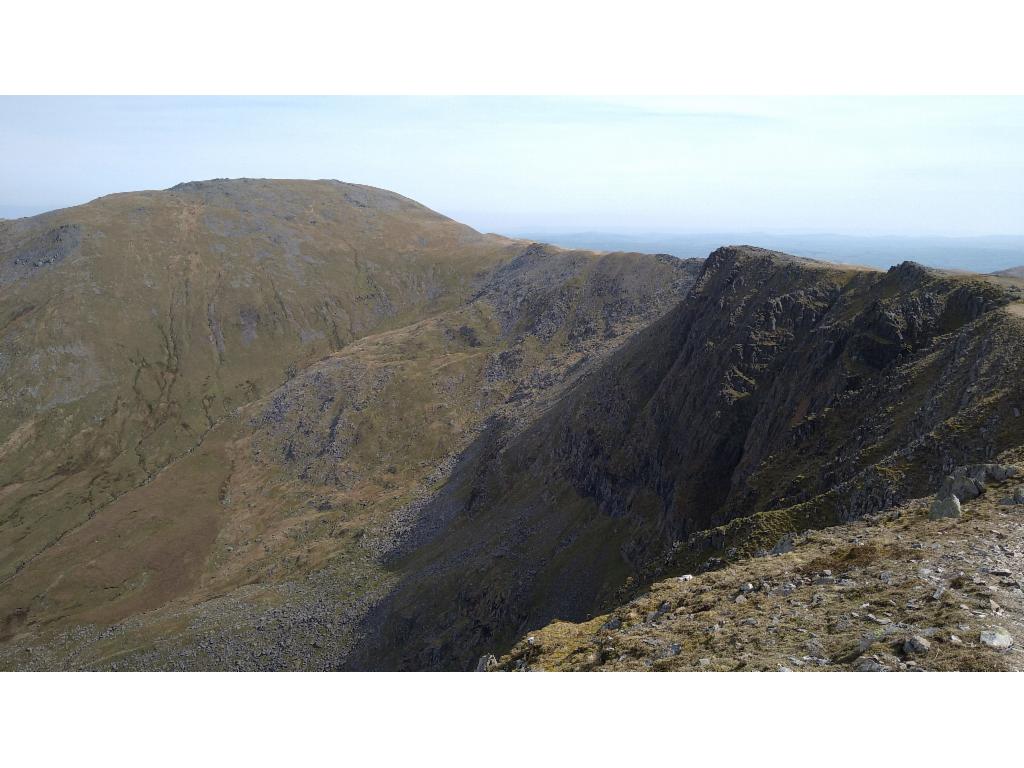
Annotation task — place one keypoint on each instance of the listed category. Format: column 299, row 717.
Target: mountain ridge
column 311, row 425
column 614, row 483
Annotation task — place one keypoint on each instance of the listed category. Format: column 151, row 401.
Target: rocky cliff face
column 781, row 394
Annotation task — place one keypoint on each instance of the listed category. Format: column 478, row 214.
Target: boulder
column 866, row 664
column 997, row 638
column 916, row 646
column 486, row 663
column 944, row 507
column 1000, row 472
column 960, row 485
column 970, row 481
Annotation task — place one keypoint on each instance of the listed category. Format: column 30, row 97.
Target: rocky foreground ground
column 896, row 591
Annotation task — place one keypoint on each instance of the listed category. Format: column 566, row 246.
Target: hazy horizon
column 922, row 166
column 978, row 254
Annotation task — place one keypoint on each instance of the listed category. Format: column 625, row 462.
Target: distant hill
column 1011, row 272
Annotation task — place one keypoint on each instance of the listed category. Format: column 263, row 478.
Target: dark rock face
column 780, row 394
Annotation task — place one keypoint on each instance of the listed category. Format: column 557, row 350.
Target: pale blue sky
column 937, row 166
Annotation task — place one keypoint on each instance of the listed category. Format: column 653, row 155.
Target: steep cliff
column 781, row 394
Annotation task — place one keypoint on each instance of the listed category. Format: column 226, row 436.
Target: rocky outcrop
column 967, row 483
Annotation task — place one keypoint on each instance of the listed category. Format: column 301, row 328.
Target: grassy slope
column 288, row 505
column 124, row 342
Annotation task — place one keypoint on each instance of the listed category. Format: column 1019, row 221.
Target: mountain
column 226, row 398
column 313, row 425
column 131, row 326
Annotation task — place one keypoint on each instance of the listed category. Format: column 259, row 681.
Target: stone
column 968, row 483
column 687, row 577
column 1018, row 495
column 1000, row 472
column 944, row 507
column 613, row 623
column 954, row 640
column 816, row 649
column 862, row 647
column 868, row 665
column 960, row 485
column 784, row 545
column 746, row 588
column 997, row 638
column 916, row 646
column 486, row 663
